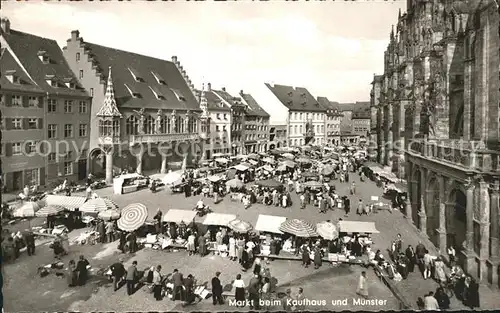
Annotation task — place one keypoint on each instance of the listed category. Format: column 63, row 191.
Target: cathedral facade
column 438, row 126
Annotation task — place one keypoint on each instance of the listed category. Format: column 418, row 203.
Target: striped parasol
column 299, row 228
column 50, row 210
column 97, row 205
column 28, row 209
column 133, row 216
column 240, row 226
column 327, row 230
column 109, row 215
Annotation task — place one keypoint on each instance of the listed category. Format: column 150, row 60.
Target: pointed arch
column 149, row 125
column 166, row 125
column 132, row 125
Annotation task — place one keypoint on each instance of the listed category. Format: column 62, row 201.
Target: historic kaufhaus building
column 438, row 125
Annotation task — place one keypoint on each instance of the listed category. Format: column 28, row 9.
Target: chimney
column 223, row 89
column 75, row 34
column 180, row 68
column 184, row 74
column 241, row 92
column 5, row 24
column 174, row 59
column 209, row 87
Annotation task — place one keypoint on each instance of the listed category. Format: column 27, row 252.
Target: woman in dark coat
column 202, row 245
column 442, row 299
column 318, row 258
column 410, row 255
column 472, row 298
column 245, row 260
column 81, row 267
column 306, row 259
column 72, row 274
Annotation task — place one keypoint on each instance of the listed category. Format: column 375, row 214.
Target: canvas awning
column 218, row 219
column 269, row 223
column 71, row 203
column 253, row 162
column 214, row 178
column 221, row 160
column 177, row 216
column 241, row 167
column 357, row 227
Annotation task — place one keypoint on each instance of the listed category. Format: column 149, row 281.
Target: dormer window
column 303, row 95
column 70, row 83
column 51, row 80
column 132, row 92
column 290, row 94
column 43, row 56
column 157, row 93
column 136, row 75
column 158, row 78
column 179, row 95
column 12, row 77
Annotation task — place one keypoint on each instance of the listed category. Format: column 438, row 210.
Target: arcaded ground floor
column 455, row 208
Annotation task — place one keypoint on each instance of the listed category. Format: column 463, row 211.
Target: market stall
column 240, row 226
column 69, row 202
column 357, row 227
column 94, row 206
column 127, row 183
column 132, row 217
column 241, row 167
column 178, row 216
column 218, row 219
column 27, row 209
column 172, row 177
column 269, row 223
column 269, row 183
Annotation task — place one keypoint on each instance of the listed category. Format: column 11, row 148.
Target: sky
column 331, row 48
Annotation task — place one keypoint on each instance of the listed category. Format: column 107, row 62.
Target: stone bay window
column 109, row 128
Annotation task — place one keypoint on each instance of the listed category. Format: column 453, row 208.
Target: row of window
column 23, row 123
column 298, row 129
column 69, row 106
column 332, row 126
column 255, row 136
column 220, row 116
column 256, row 127
column 16, row 149
column 360, row 129
column 167, row 125
column 52, row 131
column 333, row 118
column 301, row 116
column 301, row 142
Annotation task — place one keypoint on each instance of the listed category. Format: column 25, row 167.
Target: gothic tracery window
column 116, row 128
column 166, row 127
column 132, row 125
column 149, row 125
column 179, row 124
column 105, row 128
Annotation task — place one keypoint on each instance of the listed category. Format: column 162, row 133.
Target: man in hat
column 158, row 221
column 29, row 238
column 217, row 290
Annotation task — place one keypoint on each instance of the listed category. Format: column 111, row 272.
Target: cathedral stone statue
column 159, row 116
column 142, row 119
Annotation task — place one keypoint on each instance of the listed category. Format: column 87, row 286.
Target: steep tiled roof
column 226, row 96
column 9, row 65
column 296, row 99
column 354, row 106
column 152, row 76
column 253, row 108
column 214, row 102
column 28, row 49
column 361, row 115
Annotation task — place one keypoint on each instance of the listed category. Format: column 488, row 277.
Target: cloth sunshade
column 241, row 167
column 304, row 160
column 218, row 219
column 235, row 183
column 109, row 215
column 254, row 156
column 97, row 205
column 270, row 183
column 27, row 209
column 240, row 226
column 327, row 170
column 221, row 160
column 50, row 210
column 309, row 174
column 299, row 228
column 69, row 202
column 313, row 184
column 288, row 155
column 289, row 163
column 171, row 178
column 133, row 216
column 269, row 160
column 327, row 230
column 282, row 168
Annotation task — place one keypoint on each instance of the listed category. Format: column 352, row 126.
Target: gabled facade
column 256, row 125
column 306, row 117
column 332, row 121
column 160, row 114
column 220, row 119
column 45, row 113
column 277, row 136
column 237, row 129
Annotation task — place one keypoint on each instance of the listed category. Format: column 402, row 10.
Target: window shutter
column 75, row 168
column 8, row 149
column 24, row 123
column 40, row 102
column 42, row 176
column 40, row 123
column 27, row 177
column 26, row 146
column 41, row 147
column 8, row 100
column 8, row 123
column 25, row 101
